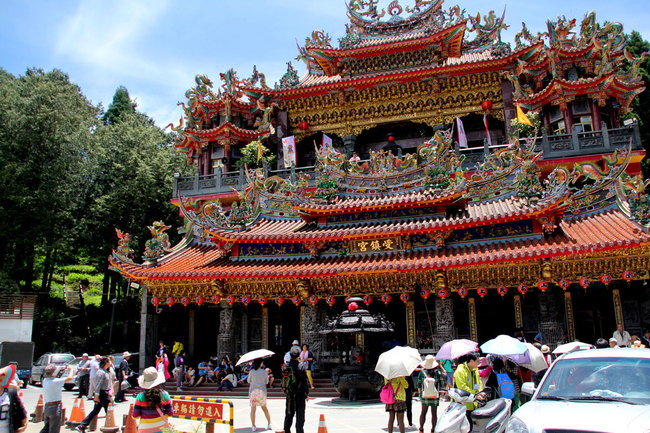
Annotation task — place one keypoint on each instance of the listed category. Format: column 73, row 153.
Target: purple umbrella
column 456, row 348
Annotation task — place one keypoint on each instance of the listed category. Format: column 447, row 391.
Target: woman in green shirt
column 430, row 390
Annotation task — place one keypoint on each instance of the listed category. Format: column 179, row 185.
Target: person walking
column 122, row 373
column 296, row 388
column 102, row 386
column 83, row 373
column 398, row 407
column 258, row 378
column 14, row 415
column 430, row 383
column 52, row 389
column 154, row 405
column 308, row 359
column 177, row 350
column 93, row 366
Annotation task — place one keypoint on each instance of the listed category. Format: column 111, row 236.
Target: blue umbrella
column 505, row 345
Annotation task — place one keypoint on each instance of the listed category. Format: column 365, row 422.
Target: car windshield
column 598, row 379
column 61, row 359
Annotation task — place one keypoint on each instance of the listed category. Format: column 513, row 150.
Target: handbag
column 387, row 395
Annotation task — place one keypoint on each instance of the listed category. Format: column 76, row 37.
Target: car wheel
column 68, row 386
column 25, row 383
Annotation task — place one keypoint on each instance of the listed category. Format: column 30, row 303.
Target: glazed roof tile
column 609, row 230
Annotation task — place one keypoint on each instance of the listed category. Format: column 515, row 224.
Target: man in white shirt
column 94, row 366
column 52, row 387
column 623, row 338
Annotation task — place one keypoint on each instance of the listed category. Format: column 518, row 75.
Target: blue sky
column 155, row 48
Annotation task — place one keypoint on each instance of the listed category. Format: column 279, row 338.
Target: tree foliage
column 641, row 106
column 121, row 104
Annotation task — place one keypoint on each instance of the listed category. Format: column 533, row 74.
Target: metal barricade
column 209, row 410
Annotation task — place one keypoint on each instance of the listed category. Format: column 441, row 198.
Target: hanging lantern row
column 543, row 286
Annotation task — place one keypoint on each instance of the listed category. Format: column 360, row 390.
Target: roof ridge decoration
column 634, row 199
column 158, row 245
column 123, row 252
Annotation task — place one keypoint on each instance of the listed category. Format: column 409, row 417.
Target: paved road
column 340, row 416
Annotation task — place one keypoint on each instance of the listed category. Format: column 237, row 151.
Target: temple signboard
column 375, row 245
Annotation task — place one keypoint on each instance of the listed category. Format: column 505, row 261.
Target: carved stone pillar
column 618, row 306
column 265, row 328
column 411, row 340
column 312, row 319
column 519, row 317
column 144, row 305
column 191, row 332
column 226, row 338
column 244, row 332
column 568, row 314
column 473, row 327
column 444, row 322
column 348, row 144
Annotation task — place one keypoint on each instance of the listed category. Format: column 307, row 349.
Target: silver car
column 58, row 359
column 597, row 390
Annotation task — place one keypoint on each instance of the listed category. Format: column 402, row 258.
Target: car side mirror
column 528, row 388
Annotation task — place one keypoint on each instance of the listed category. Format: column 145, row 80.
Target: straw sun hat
column 150, row 378
column 429, row 362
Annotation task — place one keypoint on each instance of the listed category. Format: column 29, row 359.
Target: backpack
column 289, row 381
column 506, row 387
column 429, row 388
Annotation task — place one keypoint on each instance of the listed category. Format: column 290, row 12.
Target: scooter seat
column 490, row 410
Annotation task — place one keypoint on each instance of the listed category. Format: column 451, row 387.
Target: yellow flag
column 521, row 117
column 260, row 150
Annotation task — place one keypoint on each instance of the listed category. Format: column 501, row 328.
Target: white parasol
column 255, row 354
column 537, row 361
column 570, row 347
column 398, row 361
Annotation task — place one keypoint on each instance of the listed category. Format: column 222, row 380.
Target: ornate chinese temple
column 547, row 233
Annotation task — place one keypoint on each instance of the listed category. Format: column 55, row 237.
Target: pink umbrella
column 456, row 348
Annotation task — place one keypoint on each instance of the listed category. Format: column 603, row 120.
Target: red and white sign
column 199, row 410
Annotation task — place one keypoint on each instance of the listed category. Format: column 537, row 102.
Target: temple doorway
column 284, row 327
column 495, row 315
column 593, row 311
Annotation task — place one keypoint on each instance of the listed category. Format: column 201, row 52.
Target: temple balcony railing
column 560, row 146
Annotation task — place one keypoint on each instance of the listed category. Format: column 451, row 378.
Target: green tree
column 121, row 104
column 251, row 155
column 641, row 105
column 45, row 124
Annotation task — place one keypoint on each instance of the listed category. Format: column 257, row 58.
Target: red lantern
column 522, row 288
column 606, row 279
column 231, row 299
column 443, row 293
column 425, row 293
column 564, row 284
column 199, row 300
column 296, row 300
column 404, row 297
column 462, row 292
column 367, row 299
column 313, row 299
column 185, row 301
column 330, row 300
column 482, row 291
column 155, row 301
column 502, row 290
column 542, row 286
column 170, row 301
column 215, row 299
column 262, row 300
column 246, row 300
column 279, row 300
column 486, row 105
column 346, row 299
column 385, row 298
column 628, row 276
column 303, row 125
column 352, row 306
column 584, row 282
column 391, row 138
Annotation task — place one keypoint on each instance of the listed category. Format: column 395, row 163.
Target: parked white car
column 597, row 390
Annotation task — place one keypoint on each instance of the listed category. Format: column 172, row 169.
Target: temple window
column 556, row 120
column 583, row 124
column 558, row 127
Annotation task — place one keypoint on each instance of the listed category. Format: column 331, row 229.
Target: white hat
column 85, row 354
column 295, row 343
column 429, row 362
column 125, row 354
column 545, row 349
column 150, row 378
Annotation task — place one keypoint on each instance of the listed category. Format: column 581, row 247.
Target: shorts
column 398, row 406
column 430, row 402
column 257, row 397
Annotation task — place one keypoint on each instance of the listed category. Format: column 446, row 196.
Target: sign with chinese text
column 375, row 245
column 197, row 410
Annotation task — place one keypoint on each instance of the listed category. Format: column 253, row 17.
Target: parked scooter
column 490, row 417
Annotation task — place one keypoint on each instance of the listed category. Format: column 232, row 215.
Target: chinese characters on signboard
column 197, row 409
column 375, row 245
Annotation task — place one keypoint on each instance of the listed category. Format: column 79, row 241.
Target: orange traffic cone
column 109, row 424
column 74, row 414
column 38, row 412
column 131, row 425
column 82, row 409
column 322, row 428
